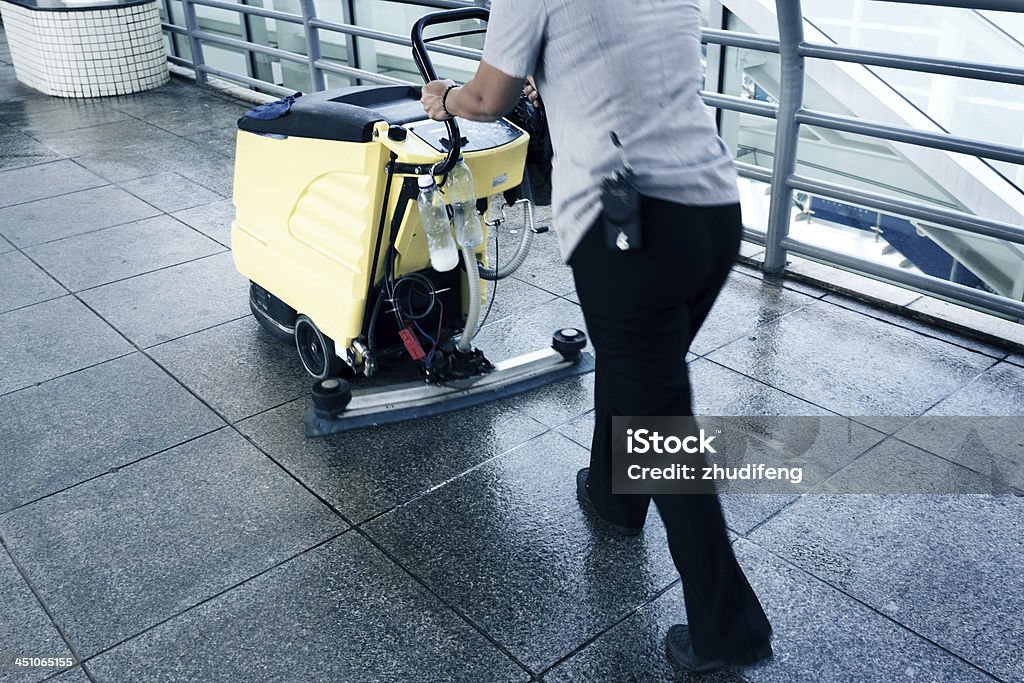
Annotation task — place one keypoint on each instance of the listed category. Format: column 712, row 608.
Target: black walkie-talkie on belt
column 621, row 203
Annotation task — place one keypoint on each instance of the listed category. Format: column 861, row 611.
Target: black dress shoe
column 583, row 495
column 680, row 650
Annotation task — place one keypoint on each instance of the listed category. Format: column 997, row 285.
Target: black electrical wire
column 494, row 288
column 413, row 279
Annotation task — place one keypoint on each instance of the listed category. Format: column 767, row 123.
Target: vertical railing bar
column 170, row 34
column 316, row 74
column 192, row 26
column 715, row 70
column 787, row 131
column 250, row 59
column 348, row 15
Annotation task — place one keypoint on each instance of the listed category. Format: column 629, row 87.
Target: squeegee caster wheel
column 316, row 350
column 569, row 341
column 331, row 396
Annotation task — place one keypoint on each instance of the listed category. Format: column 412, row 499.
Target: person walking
column 631, row 72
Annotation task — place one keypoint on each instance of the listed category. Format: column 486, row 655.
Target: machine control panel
column 476, row 135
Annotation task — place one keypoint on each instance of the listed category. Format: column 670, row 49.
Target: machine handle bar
column 426, row 67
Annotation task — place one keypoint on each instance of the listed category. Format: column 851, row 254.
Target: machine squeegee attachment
column 416, row 399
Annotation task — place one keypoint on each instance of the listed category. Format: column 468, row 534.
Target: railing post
column 195, row 45
column 316, row 74
column 787, row 130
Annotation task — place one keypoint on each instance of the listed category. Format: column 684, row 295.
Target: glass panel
column 333, row 45
column 952, row 104
column 396, row 60
column 182, row 48
column 915, row 173
column 877, row 166
column 753, row 75
column 754, row 199
column 925, row 101
column 947, row 32
column 226, row 58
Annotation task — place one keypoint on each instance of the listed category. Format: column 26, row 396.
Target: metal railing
column 790, row 114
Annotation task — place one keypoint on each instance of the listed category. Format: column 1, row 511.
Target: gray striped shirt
column 628, row 66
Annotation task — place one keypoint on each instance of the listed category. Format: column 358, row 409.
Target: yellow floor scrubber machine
column 329, row 234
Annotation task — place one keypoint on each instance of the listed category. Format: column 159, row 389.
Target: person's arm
column 488, row 95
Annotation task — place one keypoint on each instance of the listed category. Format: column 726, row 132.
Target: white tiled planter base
column 87, row 53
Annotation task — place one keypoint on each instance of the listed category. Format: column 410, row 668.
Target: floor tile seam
column 214, row 596
column 359, row 530
column 566, row 423
column 188, row 138
column 89, row 232
column 863, row 454
column 65, row 374
column 581, row 445
column 449, row 605
column 281, row 403
column 230, row 425
column 416, row 497
column 554, row 295
column 220, row 197
column 105, row 104
column 56, row 674
column 37, row 163
column 222, row 250
column 298, row 480
column 206, row 91
column 76, row 158
column 159, row 365
column 540, row 290
column 776, row 513
column 962, row 345
column 863, row 603
column 770, row 517
column 97, row 314
column 202, row 183
column 168, row 214
column 74, row 154
column 590, row 640
column 171, row 132
column 112, row 470
column 195, row 332
column 31, row 132
column 104, row 183
column 994, row 362
column 135, row 349
column 759, row 326
column 779, row 280
column 1014, row 490
column 887, row 438
column 42, row 602
column 782, row 391
column 41, row 301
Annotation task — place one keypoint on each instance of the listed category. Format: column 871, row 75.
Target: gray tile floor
column 163, row 518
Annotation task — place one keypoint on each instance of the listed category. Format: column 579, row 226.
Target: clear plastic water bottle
column 434, row 216
column 462, row 196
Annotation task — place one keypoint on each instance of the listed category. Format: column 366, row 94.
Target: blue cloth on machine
column 273, row 110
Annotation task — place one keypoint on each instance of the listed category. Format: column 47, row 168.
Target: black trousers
column 643, row 309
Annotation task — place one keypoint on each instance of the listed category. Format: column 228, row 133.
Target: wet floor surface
column 163, row 517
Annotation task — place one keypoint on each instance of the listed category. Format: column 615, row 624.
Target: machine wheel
column 331, row 396
column 316, row 350
column 569, row 341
